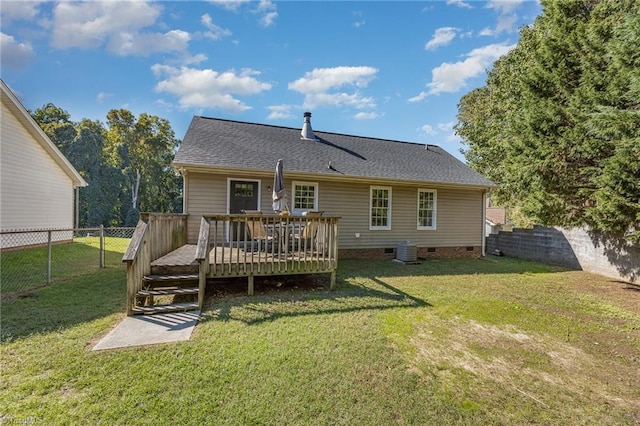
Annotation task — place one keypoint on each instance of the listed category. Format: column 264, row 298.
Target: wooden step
column 170, row 278
column 174, row 307
column 169, row 291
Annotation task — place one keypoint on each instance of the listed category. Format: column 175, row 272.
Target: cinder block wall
column 575, row 248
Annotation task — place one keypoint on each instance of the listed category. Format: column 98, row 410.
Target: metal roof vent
column 307, row 131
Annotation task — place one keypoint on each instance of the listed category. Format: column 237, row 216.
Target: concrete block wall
column 574, row 248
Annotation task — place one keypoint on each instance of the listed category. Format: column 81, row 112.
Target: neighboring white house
column 37, row 182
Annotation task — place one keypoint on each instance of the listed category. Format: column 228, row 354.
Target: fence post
column 102, row 246
column 48, row 257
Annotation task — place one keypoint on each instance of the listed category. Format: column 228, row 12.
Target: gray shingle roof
column 218, row 143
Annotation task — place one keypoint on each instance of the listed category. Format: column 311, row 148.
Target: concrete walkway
column 150, row 330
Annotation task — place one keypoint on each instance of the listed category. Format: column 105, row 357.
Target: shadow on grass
column 65, row 304
column 361, row 285
column 305, row 295
column 443, row 267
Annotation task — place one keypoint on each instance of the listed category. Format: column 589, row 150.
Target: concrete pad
column 150, row 330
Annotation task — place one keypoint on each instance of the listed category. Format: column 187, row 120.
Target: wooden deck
column 237, row 262
column 160, row 262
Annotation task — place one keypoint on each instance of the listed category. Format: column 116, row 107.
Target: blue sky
column 382, row 69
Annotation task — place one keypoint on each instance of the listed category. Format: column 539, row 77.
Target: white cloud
column 428, row 130
column 507, row 18
column 89, row 24
column 366, row 116
column 446, row 127
column 451, row 77
column 230, row 5
column 322, row 86
column 19, row 10
column 504, row 7
column 268, row 9
column 116, row 24
column 441, row 37
column 459, row 3
column 101, row 96
column 487, row 32
column 268, row 19
column 215, row 32
column 13, row 53
column 207, row 88
column 360, row 22
column 280, row 112
column 145, row 44
column 506, row 23
column 265, row 8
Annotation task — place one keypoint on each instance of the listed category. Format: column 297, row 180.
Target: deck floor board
column 234, row 261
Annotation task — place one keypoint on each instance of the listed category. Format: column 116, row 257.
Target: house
column 385, row 192
column 37, row 182
column 496, row 219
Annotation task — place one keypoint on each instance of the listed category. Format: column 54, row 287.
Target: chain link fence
column 34, row 258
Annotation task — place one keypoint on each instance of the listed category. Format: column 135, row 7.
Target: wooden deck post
column 250, row 279
column 332, row 282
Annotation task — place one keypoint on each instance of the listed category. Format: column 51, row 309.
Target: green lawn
column 27, row 268
column 493, row 341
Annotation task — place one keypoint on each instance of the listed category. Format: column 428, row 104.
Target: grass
column 493, row 341
column 27, row 268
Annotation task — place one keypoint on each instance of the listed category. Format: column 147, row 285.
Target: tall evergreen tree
column 558, row 123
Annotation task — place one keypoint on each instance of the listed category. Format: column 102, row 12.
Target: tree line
column 126, row 163
column 557, row 124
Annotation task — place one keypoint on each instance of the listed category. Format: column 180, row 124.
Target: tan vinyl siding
column 459, row 216
column 206, row 195
column 36, row 192
column 459, row 212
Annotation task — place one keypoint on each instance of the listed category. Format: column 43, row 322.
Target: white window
column 305, row 196
column 380, row 208
column 427, row 202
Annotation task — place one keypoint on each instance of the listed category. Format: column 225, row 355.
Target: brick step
column 174, row 307
column 169, row 291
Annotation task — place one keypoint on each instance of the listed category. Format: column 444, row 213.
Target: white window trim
column 389, row 208
column 435, row 210
column 293, row 196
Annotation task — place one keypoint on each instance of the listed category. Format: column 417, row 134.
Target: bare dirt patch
column 475, row 359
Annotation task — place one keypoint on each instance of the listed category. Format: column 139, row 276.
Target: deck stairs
column 169, row 288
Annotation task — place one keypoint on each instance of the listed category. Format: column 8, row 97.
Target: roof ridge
column 320, row 131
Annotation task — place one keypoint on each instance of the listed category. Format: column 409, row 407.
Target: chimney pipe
column 307, row 131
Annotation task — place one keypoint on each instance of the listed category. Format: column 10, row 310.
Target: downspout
column 484, row 222
column 185, row 190
column 77, row 224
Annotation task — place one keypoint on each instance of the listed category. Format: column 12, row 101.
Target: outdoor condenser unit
column 407, row 252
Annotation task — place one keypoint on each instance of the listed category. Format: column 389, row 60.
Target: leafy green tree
column 127, row 167
column 56, row 123
column 143, row 149
column 557, row 125
column 99, row 200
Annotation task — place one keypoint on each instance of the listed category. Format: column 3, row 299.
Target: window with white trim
column 380, row 208
column 305, row 196
column 427, row 203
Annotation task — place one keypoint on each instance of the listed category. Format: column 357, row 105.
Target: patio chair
column 257, row 230
column 307, row 235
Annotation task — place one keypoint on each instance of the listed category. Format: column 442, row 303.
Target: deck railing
column 138, row 260
column 156, row 235
column 251, row 245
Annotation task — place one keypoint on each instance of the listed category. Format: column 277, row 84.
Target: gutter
column 484, row 222
column 325, row 176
